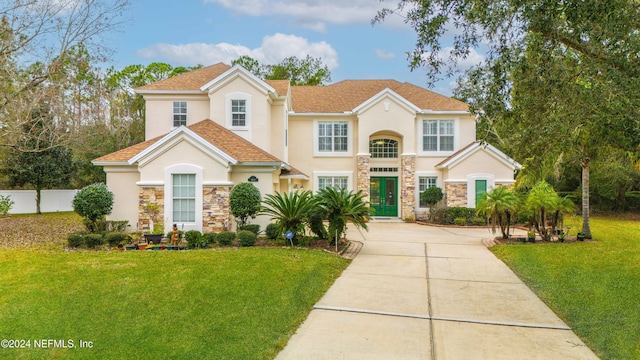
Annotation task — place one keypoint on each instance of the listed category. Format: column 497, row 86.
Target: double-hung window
column 425, row 182
column 184, row 198
column 239, row 113
column 333, row 136
column 332, row 181
column 179, row 113
column 438, row 135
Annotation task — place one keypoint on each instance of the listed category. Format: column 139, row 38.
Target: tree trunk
column 38, row 201
column 586, row 228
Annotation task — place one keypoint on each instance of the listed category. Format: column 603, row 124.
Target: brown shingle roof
column 281, row 86
column 347, row 95
column 225, row 140
column 192, row 80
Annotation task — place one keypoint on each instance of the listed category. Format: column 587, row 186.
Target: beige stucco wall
column 268, row 182
column 278, row 130
column 387, row 115
column 121, row 181
column 481, row 162
column 259, row 131
column 184, row 153
column 159, row 112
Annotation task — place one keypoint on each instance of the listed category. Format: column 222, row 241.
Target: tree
column 41, row 165
column 561, row 70
column 93, row 203
column 308, row 71
column 432, row 196
column 244, row 202
column 343, row 206
column 500, row 206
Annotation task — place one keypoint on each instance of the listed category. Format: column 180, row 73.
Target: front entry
column 384, row 196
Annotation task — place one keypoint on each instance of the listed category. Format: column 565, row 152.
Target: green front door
column 481, row 190
column 384, row 196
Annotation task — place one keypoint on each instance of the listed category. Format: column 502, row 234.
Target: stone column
column 364, row 175
column 216, row 215
column 147, row 195
column 408, row 186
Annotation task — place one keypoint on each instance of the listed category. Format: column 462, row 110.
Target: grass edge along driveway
column 222, row 304
column 593, row 286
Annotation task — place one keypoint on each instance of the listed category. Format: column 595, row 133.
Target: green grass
column 207, row 304
column 593, row 286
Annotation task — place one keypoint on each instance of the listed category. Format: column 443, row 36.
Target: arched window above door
column 383, row 148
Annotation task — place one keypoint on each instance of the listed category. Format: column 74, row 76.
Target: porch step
column 386, row 219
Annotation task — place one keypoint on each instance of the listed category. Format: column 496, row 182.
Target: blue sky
column 210, row 31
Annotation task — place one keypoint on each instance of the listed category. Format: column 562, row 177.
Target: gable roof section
column 220, row 140
column 471, row 149
column 189, row 81
column 345, row 96
column 237, row 72
column 386, row 93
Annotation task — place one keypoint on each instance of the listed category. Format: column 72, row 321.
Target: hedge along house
column 211, row 128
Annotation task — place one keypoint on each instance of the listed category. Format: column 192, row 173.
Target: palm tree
column 289, row 210
column 343, row 206
column 541, row 201
column 500, row 205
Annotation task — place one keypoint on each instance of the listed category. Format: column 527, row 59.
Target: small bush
column 478, row 221
column 209, row 238
column 194, row 238
column 75, row 240
column 447, row 216
column 254, row 228
column 5, row 204
column 93, row 203
column 246, row 238
column 460, row 221
column 93, row 241
column 225, row 238
column 272, row 231
column 316, row 225
column 116, row 238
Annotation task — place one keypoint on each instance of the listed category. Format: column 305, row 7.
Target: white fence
column 51, row 200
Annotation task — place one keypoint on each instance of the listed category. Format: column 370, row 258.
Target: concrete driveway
column 422, row 292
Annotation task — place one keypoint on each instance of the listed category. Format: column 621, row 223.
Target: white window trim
column 420, row 174
column 456, row 138
column 238, row 96
column 471, row 186
column 173, row 113
column 168, row 195
column 316, row 134
column 317, row 174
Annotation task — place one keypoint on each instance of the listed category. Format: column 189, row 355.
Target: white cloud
column 273, row 49
column 385, row 54
column 311, row 14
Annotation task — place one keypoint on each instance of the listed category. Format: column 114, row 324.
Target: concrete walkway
column 422, row 292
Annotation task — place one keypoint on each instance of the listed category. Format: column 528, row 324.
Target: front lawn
column 206, row 304
column 593, row 286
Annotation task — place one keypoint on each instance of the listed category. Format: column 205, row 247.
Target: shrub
column 5, row 204
column 75, row 240
column 116, row 238
column 478, row 221
column 460, row 221
column 316, row 225
column 93, row 203
column 272, row 231
column 246, row 238
column 447, row 216
column 254, row 228
column 432, row 196
column 209, row 238
column 244, row 202
column 225, row 238
column 194, row 238
column 93, row 241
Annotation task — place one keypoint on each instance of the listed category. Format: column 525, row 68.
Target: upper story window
column 438, row 135
column 239, row 113
column 179, row 113
column 383, row 148
column 333, row 136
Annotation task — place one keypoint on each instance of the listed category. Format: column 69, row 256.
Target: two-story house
column 211, row 128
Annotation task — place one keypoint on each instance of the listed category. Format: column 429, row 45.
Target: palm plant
column 541, row 201
column 343, row 206
column 500, row 206
column 288, row 210
column 561, row 206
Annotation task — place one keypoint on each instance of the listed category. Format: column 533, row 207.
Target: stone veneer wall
column 146, row 195
column 364, row 175
column 216, row 215
column 455, row 194
column 408, row 187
